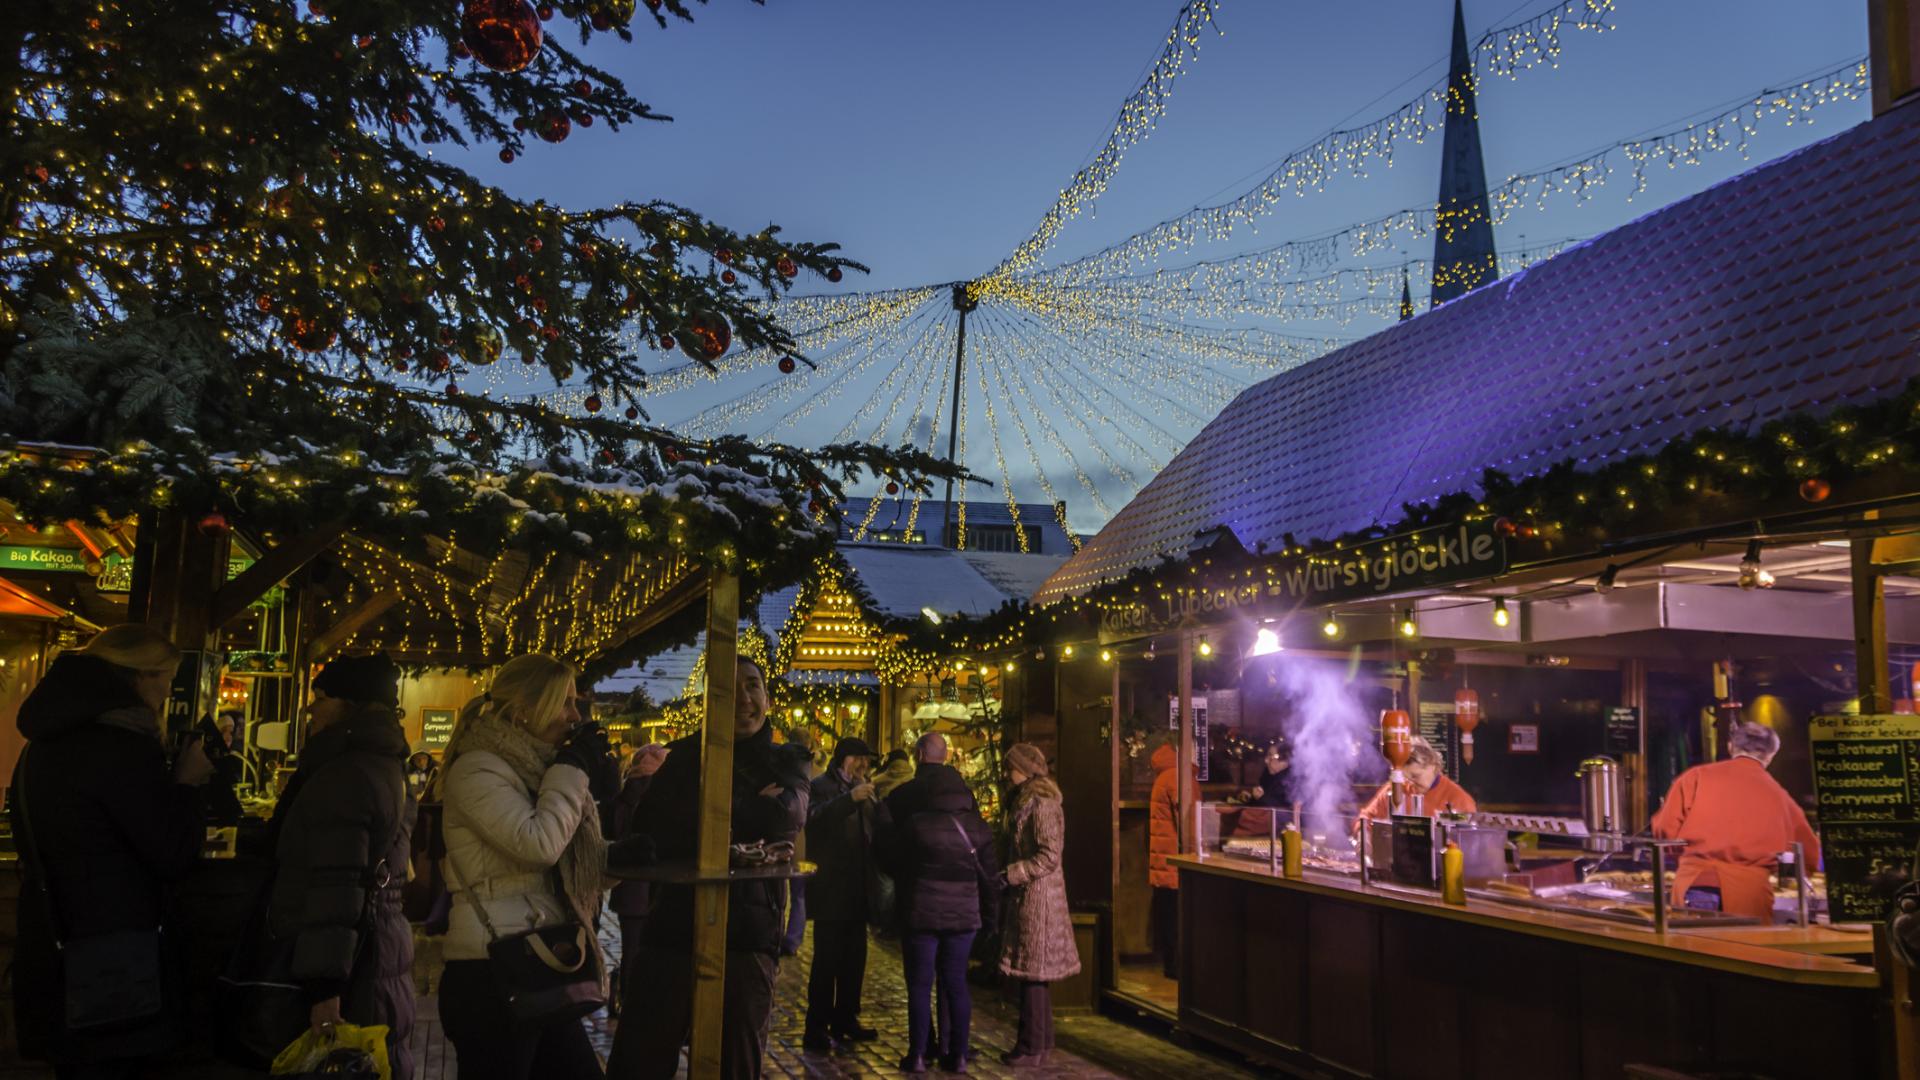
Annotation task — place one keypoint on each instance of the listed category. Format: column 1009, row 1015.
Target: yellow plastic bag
column 333, row 1054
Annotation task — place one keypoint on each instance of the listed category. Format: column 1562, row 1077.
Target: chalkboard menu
column 1413, row 850
column 1866, row 781
column 1435, row 725
column 1623, row 730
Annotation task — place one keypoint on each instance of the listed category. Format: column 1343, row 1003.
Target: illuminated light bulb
column 1066, row 651
column 1266, row 642
column 1500, row 616
column 1408, row 627
column 1330, row 628
column 1206, row 647
column 1007, row 667
column 1750, row 568
column 1106, row 656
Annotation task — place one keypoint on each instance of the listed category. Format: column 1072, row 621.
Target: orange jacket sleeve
column 1673, row 812
column 1803, row 832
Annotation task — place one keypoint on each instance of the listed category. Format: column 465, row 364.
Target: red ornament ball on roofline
column 706, row 336
column 1814, row 489
column 787, row 365
column 215, row 524
column 504, row 35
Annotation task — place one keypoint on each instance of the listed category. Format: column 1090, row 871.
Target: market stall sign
column 1623, row 730
column 1866, row 783
column 1470, row 551
column 49, row 559
column 436, row 727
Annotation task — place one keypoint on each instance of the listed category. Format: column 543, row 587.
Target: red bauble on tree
column 706, row 336
column 215, row 524
column 893, row 488
column 592, row 403
column 666, row 342
column 1814, row 489
column 555, row 126
column 728, row 277
column 786, row 267
column 504, row 35
column 787, row 365
column 633, row 412
column 506, row 156
column 834, row 275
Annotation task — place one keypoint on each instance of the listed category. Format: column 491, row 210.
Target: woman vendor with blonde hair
column 1427, row 778
column 518, row 809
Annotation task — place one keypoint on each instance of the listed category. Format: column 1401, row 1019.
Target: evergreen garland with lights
column 236, row 278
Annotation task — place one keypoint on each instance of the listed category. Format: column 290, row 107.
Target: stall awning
column 1790, row 289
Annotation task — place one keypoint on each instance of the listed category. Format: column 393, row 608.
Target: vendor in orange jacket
column 1736, row 819
column 1425, row 778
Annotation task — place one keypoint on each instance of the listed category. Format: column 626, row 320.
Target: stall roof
column 903, row 579
column 1792, row 288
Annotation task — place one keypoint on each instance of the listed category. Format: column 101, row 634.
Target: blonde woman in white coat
column 518, row 807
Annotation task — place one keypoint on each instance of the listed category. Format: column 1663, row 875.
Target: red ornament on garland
column 787, row 365
column 534, row 244
column 506, row 156
column 436, row 223
column 263, row 302
column 504, row 35
column 893, row 488
column 633, row 412
column 545, row 11
column 728, row 277
column 1814, row 489
column 786, row 267
column 834, row 275
column 215, row 524
column 706, row 337
column 583, row 88
column 666, row 342
column 1505, row 526
column 592, row 403
column 725, row 255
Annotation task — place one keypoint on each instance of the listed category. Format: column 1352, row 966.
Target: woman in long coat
column 1037, row 946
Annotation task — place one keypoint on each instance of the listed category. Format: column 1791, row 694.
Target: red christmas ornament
column 453, row 389
column 633, row 412
column 534, row 244
column 606, row 456
column 786, row 267
column 1505, row 526
column 545, row 11
column 504, row 35
column 728, row 277
column 666, row 342
column 523, row 282
column 439, row 361
column 555, row 126
column 506, row 155
column 706, row 336
column 834, row 275
column 601, row 21
column 446, row 335
column 308, row 334
column 317, row 9
column 893, row 488
column 787, row 365
column 583, row 118
column 436, row 223
column 1814, row 489
column 661, row 250
column 461, row 52
column 551, row 333
column 583, row 88
column 363, row 40
column 519, row 123
column 215, row 524
column 592, row 403
column 587, row 250
column 540, row 304
column 263, row 302
column 725, row 255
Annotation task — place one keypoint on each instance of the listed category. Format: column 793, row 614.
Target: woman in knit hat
column 1037, row 946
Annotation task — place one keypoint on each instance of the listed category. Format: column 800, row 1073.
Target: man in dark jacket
column 770, row 805
column 629, row 899
column 112, row 833
column 940, row 852
column 342, row 836
column 839, row 817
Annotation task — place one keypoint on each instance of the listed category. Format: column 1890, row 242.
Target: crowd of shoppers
column 529, row 809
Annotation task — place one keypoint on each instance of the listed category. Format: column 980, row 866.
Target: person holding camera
column 105, row 828
column 524, row 850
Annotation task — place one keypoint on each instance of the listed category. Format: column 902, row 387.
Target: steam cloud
column 1327, row 724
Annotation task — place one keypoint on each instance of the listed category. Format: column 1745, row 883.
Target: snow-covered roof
column 902, row 579
column 1791, row 288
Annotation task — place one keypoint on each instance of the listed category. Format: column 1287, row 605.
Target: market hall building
column 1611, row 507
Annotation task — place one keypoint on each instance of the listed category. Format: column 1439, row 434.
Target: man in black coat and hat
column 839, row 831
column 342, row 836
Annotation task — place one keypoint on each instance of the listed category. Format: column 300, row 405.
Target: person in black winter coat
column 107, row 829
column 342, row 838
column 769, row 804
column 629, row 900
column 839, row 833
column 932, row 840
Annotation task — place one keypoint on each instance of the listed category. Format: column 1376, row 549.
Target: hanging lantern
column 1466, row 716
column 706, row 336
column 504, row 35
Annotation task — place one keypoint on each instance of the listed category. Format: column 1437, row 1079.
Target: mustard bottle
column 1453, row 875
column 1290, row 851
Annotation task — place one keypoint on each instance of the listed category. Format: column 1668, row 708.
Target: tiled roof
column 1791, row 288
column 904, row 578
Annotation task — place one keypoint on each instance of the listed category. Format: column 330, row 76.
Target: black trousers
column 1166, row 930
column 1036, row 1019
column 657, row 1015
column 839, row 972
column 491, row 1045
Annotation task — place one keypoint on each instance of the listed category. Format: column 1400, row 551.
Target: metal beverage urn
column 1602, row 802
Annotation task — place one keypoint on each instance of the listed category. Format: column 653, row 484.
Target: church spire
column 1406, row 294
column 1463, row 252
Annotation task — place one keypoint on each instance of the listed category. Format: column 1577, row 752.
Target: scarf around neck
column 583, row 863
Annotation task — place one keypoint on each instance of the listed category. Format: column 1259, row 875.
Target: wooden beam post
column 351, row 622
column 271, row 569
column 1893, row 27
column 716, row 827
column 1188, row 747
column 1869, row 631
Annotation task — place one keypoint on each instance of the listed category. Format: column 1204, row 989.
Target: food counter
column 1328, row 974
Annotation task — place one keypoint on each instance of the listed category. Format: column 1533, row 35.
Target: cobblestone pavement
column 1088, row 1046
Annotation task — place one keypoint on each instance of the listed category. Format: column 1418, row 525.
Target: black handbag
column 109, row 982
column 547, row 973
